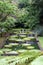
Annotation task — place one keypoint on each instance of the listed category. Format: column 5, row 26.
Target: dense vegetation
column 7, row 9
column 20, row 13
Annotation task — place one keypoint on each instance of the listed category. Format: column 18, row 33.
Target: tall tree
column 7, row 20
column 7, row 12
column 29, row 11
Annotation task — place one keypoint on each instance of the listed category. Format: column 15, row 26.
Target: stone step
column 7, row 46
column 10, row 53
column 31, row 47
column 26, row 45
column 14, row 44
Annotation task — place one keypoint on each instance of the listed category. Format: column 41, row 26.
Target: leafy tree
column 7, row 12
column 32, row 12
column 25, row 14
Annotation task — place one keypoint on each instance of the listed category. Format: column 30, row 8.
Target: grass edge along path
column 27, row 56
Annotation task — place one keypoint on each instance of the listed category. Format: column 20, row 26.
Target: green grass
column 38, row 61
column 23, row 59
column 41, row 41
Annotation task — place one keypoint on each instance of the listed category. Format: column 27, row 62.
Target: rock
column 11, row 53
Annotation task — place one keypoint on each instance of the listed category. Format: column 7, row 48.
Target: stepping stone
column 11, row 53
column 22, row 51
column 20, row 40
column 7, row 46
column 22, row 36
column 15, row 32
column 29, row 38
column 13, row 36
column 12, row 39
column 30, row 47
column 6, row 50
column 13, row 44
column 26, row 45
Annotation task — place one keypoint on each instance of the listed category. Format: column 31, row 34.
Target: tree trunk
column 2, row 41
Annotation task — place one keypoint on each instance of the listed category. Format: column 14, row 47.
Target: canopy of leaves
column 29, row 11
column 25, row 13
column 7, row 9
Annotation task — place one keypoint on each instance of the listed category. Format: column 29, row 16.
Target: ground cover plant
column 24, row 58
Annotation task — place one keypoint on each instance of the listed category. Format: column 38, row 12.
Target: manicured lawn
column 41, row 41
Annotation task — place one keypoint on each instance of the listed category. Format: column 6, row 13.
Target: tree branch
column 4, row 18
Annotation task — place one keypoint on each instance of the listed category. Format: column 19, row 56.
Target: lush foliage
column 28, row 14
column 7, row 9
column 24, row 14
